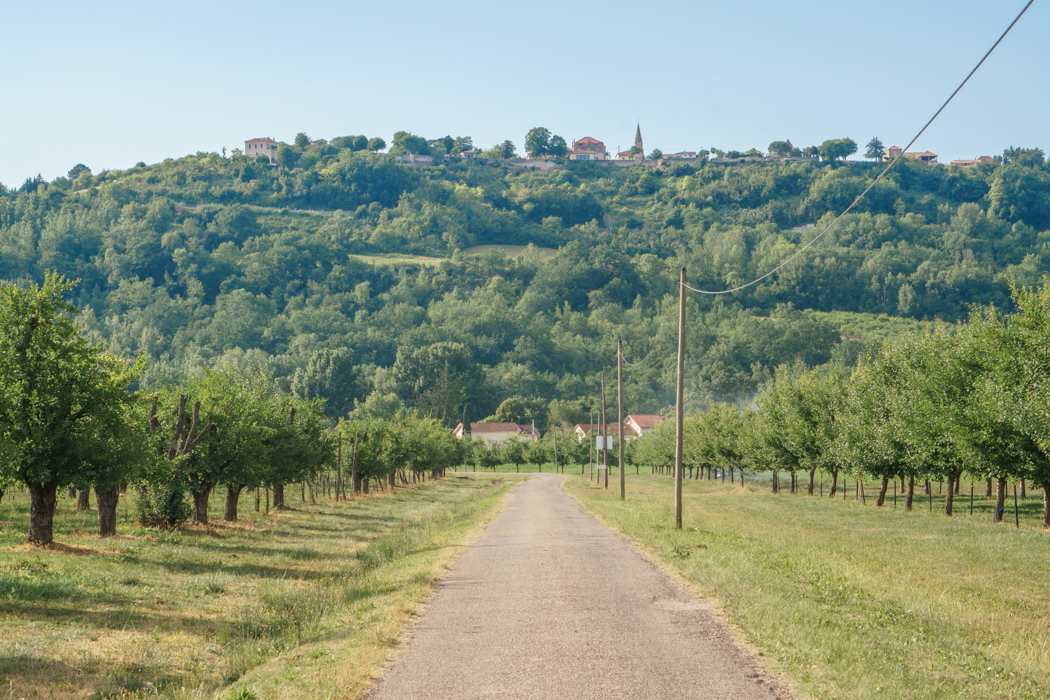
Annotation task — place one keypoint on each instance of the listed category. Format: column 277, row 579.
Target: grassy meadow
column 295, row 604
column 852, row 601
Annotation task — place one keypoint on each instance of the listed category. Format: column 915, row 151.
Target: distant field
column 397, row 259
column 293, row 604
column 869, row 327
column 511, row 251
column 853, row 601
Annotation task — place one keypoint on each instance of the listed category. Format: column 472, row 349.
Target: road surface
column 549, row 603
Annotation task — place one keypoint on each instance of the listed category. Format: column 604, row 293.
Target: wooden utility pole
column 679, row 405
column 339, row 467
column 554, row 432
column 619, row 404
column 590, row 445
column 605, row 435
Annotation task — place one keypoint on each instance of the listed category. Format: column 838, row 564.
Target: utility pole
column 590, row 445
column 339, row 467
column 679, row 405
column 554, row 432
column 619, row 402
column 605, row 434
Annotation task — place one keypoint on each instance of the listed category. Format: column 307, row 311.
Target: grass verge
column 853, row 601
column 303, row 603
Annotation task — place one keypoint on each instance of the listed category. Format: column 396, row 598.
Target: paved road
column 549, row 603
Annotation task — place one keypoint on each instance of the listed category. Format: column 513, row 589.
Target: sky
column 109, row 84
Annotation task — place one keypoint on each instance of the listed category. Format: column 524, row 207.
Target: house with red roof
column 966, row 163
column 588, row 148
column 641, row 423
column 634, row 425
column 497, row 432
column 926, row 157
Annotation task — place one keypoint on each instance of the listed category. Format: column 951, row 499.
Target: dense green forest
column 314, row 269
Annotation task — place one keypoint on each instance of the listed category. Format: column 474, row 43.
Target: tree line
column 70, row 416
column 949, row 401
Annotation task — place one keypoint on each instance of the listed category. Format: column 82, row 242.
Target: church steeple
column 638, row 138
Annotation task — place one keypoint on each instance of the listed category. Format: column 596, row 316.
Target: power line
column 880, row 176
column 634, row 364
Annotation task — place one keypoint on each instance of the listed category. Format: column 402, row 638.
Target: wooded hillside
column 204, row 258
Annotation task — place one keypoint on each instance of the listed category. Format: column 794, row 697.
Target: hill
column 351, row 276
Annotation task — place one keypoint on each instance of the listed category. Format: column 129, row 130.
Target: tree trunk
column 812, row 476
column 233, row 497
column 988, row 487
column 1024, row 489
column 910, row 493
column 200, row 505
column 390, row 479
column 42, row 512
column 882, row 491
column 1000, row 498
column 106, row 503
column 72, row 491
column 834, row 483
column 1046, row 505
column 84, row 499
column 278, row 496
column 949, row 498
column 1, row 495
column 356, row 478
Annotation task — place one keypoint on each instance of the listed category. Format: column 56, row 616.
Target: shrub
column 163, row 505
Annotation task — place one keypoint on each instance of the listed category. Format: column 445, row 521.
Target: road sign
column 608, row 442
column 602, row 466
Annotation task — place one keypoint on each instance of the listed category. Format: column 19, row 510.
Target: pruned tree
column 60, row 396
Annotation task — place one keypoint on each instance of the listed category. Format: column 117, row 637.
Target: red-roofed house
column 588, row 148
column 253, row 148
column 975, row 161
column 926, row 157
column 582, row 429
column 498, row 432
column 634, row 425
column 641, row 423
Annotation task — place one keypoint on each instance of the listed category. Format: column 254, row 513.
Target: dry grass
column 287, row 605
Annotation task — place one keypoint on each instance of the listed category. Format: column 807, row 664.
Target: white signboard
column 602, row 466
column 606, row 442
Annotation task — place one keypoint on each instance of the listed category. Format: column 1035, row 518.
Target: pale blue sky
column 112, row 83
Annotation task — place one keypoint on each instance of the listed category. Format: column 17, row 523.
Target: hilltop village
column 540, row 145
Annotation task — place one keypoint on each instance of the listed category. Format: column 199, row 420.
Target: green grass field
column 397, row 260
column 511, row 251
column 302, row 603
column 851, row 601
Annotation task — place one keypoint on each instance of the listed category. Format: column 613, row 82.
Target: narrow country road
column 549, row 603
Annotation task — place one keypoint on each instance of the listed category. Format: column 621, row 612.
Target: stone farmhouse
column 926, row 156
column 253, row 148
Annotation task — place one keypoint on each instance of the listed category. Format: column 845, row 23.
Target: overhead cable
column 880, row 176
